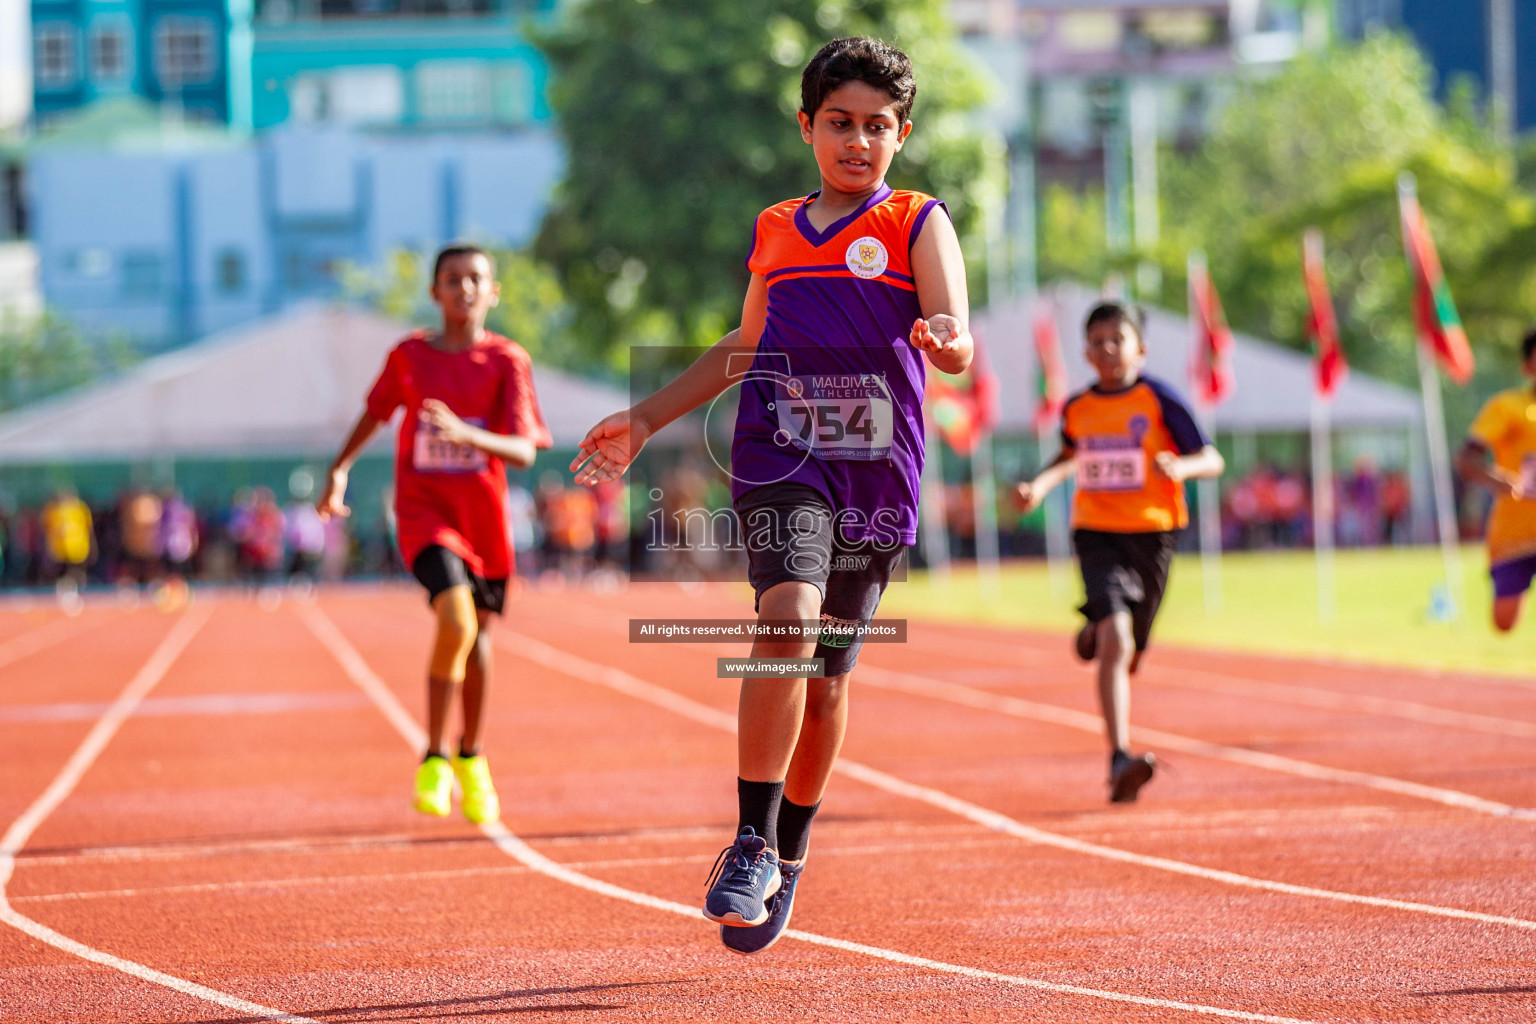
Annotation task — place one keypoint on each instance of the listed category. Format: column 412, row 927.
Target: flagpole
column 1210, row 522
column 1434, row 426
column 1322, row 509
column 935, row 532
column 1058, row 545
column 1207, row 496
column 1328, row 370
column 1440, row 473
column 984, row 498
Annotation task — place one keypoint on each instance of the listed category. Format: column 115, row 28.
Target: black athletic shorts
column 437, row 569
column 790, row 535
column 1125, row 572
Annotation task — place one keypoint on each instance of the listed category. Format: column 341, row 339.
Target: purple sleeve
column 1067, row 440
column 921, row 219
column 1187, row 435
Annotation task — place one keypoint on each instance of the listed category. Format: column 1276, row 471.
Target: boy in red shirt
column 470, row 410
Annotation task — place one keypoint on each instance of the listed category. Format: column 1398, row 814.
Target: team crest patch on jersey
column 867, row 257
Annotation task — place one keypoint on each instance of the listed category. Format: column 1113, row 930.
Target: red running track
column 241, row 847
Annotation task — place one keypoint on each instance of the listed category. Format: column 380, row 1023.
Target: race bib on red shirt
column 433, row 453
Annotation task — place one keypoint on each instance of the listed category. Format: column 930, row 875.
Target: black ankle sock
column 1118, row 758
column 759, row 804
column 433, row 753
column 795, row 829
column 468, row 753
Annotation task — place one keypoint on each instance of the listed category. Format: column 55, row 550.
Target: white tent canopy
column 292, row 384
column 1273, row 385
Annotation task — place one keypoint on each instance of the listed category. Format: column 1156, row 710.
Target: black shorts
column 437, row 569
column 1125, row 572
column 790, row 535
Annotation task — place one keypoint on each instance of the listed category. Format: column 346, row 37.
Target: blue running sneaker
column 754, row 940
column 745, row 876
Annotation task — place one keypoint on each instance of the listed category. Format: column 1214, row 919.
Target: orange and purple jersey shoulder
column 834, row 399
column 1115, row 435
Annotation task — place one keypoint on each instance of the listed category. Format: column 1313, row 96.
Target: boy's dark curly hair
column 852, row 59
column 1119, row 312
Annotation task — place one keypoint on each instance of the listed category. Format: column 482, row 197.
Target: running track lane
column 592, row 778
column 579, row 637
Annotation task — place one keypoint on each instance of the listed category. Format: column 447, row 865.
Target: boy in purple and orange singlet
column 1131, row 443
column 851, row 287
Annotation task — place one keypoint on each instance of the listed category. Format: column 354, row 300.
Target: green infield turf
column 1386, row 611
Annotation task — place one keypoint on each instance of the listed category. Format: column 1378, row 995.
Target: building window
column 54, row 59
column 109, row 53
column 453, row 91
column 514, row 94
column 229, row 271
column 88, row 262
column 184, row 51
column 141, row 274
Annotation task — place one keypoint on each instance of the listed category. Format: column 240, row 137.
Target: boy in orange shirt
column 1131, row 443
column 1500, row 454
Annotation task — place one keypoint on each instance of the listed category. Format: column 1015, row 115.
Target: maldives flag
column 1211, row 368
column 1433, row 311
column 1322, row 326
column 964, row 406
column 1050, row 371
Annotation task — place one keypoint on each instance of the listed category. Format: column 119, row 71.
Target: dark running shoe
column 1087, row 645
column 754, row 940
column 744, row 878
column 1128, row 775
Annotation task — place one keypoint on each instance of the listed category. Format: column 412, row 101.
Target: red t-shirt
column 455, row 494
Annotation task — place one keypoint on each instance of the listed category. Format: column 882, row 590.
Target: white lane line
column 1285, row 693
column 208, row 704
column 1034, row 640
column 1016, row 707
column 325, row 846
column 34, row 640
column 1310, row 696
column 252, row 885
column 357, row 669
column 64, row 783
column 621, row 681
column 954, row 693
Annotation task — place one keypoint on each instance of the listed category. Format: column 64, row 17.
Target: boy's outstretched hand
column 1170, row 466
column 332, row 499
column 939, row 334
column 1027, row 496
column 608, row 449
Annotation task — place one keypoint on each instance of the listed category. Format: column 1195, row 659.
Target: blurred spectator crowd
column 148, row 536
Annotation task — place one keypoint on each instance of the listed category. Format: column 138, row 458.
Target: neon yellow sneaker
column 434, row 786
column 480, row 801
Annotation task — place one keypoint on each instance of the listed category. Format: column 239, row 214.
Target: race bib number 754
column 836, row 417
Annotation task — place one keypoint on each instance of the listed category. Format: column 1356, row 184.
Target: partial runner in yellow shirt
column 70, row 539
column 1500, row 454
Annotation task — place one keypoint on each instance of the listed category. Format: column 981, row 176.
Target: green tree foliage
column 679, row 123
column 533, row 310
column 1322, row 143
column 42, row 356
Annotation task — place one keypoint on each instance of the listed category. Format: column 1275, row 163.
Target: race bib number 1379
column 1111, row 469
